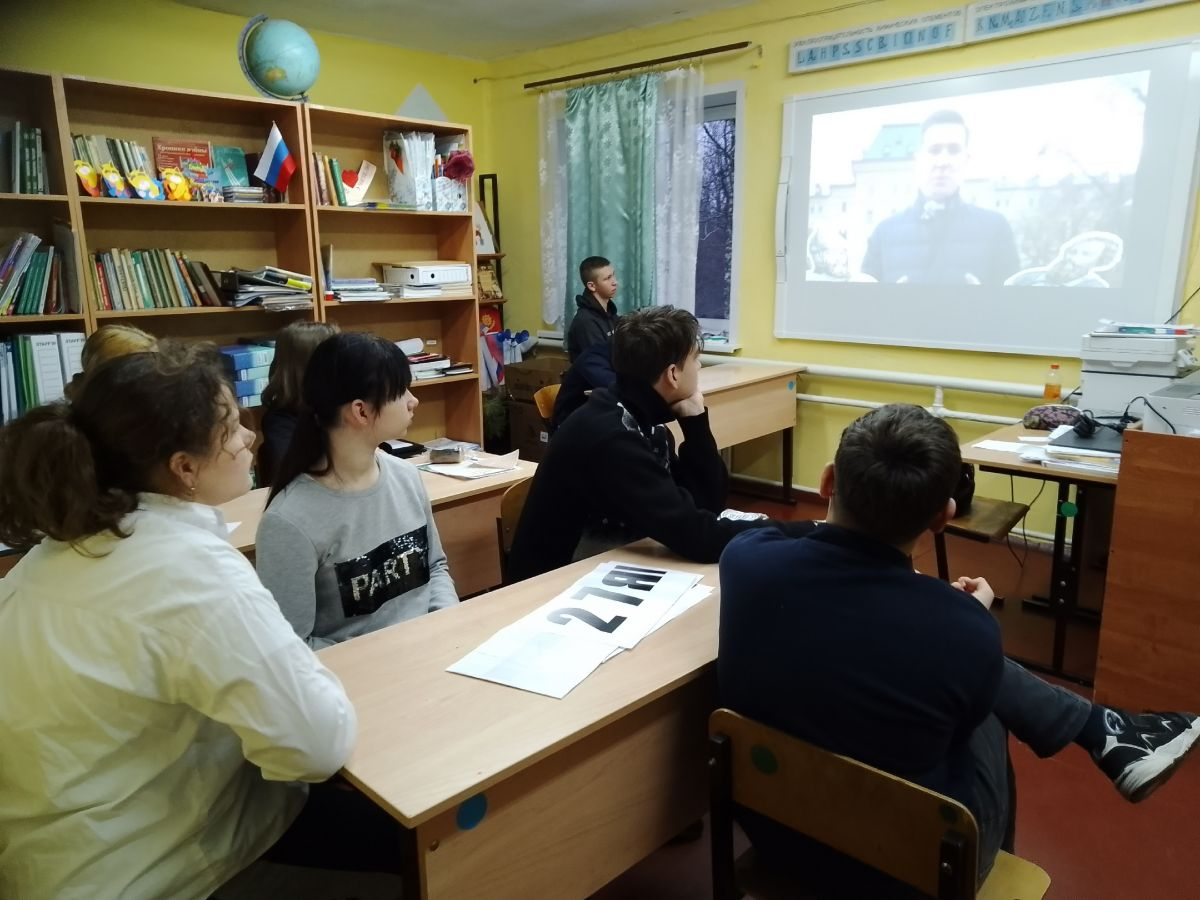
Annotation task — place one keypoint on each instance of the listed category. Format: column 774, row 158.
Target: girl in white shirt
column 157, row 712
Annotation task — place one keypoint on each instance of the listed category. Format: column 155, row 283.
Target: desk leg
column 410, row 874
column 786, row 495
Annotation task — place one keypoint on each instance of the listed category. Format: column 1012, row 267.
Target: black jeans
column 340, row 829
column 1042, row 715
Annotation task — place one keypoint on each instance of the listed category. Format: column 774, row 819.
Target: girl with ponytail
column 348, row 543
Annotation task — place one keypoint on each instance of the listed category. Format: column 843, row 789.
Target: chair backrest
column 912, row 834
column 511, row 505
column 544, row 399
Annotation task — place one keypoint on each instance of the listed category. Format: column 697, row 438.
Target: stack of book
column 414, row 291
column 151, row 279
column 351, row 290
column 34, row 368
column 249, row 367
column 23, row 167
column 270, row 287
column 243, row 195
column 425, row 366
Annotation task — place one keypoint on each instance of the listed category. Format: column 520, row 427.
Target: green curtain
column 610, row 185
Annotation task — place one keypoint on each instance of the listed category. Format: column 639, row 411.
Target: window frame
column 738, row 91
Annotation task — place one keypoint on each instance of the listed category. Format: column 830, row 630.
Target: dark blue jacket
column 591, row 324
column 944, row 246
column 591, row 369
column 835, row 639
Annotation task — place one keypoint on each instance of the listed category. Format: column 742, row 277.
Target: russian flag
column 276, row 165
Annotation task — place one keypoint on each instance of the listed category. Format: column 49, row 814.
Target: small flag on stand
column 276, row 166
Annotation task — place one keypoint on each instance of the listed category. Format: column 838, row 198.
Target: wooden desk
column 1065, row 569
column 1150, row 634
column 575, row 790
column 465, row 513
column 747, row 401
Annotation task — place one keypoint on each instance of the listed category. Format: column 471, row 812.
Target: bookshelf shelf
column 190, row 311
column 34, row 198
column 419, row 383
column 57, row 318
column 429, row 213
column 408, row 301
column 158, row 206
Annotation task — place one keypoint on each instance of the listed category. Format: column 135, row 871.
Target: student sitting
column 592, row 369
column 281, row 399
column 348, row 543
column 835, row 639
column 596, row 315
column 612, row 475
column 108, row 342
column 157, row 710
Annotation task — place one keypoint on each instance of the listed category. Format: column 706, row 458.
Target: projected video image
column 1032, row 186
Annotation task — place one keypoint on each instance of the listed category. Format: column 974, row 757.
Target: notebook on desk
column 1105, row 440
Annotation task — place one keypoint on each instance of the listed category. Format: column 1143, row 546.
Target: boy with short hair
column 597, row 315
column 612, row 474
column 836, row 639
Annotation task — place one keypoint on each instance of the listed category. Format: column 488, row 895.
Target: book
column 64, row 243
column 70, row 352
column 251, row 374
column 338, row 187
column 244, row 356
column 319, row 174
column 230, row 163
column 193, row 158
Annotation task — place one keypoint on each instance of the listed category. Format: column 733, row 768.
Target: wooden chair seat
column 988, row 520
column 916, row 836
column 544, row 399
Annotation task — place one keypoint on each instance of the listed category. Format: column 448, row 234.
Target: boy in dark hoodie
column 597, row 315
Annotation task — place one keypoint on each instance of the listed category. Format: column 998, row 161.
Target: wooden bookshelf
column 33, row 99
column 288, row 234
column 362, row 238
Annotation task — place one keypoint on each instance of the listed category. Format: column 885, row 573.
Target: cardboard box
column 524, row 379
column 527, row 431
column 428, row 273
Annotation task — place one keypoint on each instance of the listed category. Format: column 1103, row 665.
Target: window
column 716, row 270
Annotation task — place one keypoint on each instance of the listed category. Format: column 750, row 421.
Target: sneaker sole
column 1173, row 751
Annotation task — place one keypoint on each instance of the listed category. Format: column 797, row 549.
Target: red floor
column 1070, row 820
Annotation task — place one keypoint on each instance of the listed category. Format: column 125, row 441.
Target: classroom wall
column 163, row 43
column 774, row 23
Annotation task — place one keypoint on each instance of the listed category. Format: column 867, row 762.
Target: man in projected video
column 940, row 238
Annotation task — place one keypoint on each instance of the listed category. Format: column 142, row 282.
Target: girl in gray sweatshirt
column 347, row 544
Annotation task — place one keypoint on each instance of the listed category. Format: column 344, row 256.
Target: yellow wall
column 773, row 24
column 160, row 42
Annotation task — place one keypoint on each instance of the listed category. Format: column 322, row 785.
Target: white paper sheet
column 1000, row 446
column 555, row 647
column 475, row 467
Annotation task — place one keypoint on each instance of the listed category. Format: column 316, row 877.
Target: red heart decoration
column 350, row 179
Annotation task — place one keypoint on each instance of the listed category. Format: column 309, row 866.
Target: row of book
column 249, row 367
column 151, row 279
column 338, row 187
column 222, row 172
column 34, row 369
column 39, row 279
column 23, row 168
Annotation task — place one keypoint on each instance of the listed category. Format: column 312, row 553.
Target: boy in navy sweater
column 834, row 638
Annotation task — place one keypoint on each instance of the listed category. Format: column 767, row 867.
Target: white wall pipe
column 939, row 411
column 947, row 382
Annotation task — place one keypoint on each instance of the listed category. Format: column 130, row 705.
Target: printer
column 1174, row 409
column 1118, row 367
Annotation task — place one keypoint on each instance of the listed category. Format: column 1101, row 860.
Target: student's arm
column 641, row 491
column 241, row 665
column 698, row 468
column 442, row 592
column 287, row 565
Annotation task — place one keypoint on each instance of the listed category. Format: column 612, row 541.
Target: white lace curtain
column 675, row 216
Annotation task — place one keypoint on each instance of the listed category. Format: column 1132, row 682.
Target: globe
column 279, row 58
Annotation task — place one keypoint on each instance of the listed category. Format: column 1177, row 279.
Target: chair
column 912, row 834
column 511, row 505
column 988, row 520
column 544, row 399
